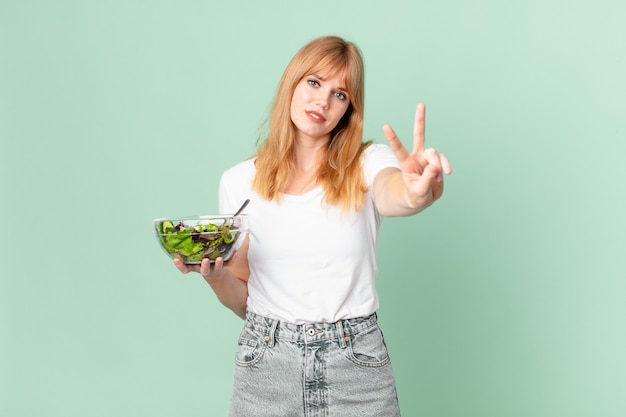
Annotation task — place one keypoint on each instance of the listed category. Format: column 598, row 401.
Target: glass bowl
column 194, row 238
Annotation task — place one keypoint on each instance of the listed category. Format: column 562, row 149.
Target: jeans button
column 311, row 332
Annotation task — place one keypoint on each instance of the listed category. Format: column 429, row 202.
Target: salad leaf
column 192, row 244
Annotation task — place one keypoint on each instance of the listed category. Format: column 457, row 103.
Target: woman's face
column 318, row 104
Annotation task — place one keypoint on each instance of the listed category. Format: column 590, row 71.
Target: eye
column 340, row 95
column 313, row 83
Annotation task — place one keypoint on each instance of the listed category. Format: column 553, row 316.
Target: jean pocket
column 368, row 348
column 250, row 349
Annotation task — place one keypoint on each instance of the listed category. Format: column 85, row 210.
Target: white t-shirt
column 309, row 262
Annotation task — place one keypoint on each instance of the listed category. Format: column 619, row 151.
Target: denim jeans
column 313, row 370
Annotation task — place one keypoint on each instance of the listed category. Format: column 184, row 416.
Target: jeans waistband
column 310, row 332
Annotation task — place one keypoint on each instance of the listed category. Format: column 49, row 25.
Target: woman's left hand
column 422, row 169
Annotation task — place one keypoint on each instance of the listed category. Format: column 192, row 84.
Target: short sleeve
column 225, row 198
column 235, row 186
column 376, row 158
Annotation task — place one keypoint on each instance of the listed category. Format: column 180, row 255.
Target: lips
column 315, row 116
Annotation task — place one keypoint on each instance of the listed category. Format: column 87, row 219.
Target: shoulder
column 235, row 185
column 242, row 171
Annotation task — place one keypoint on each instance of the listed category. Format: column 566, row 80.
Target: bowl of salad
column 193, row 238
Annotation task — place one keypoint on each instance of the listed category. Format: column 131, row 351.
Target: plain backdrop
column 505, row 299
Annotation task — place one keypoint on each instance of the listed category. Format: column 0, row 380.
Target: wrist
column 415, row 202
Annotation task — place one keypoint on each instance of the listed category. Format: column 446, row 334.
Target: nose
column 322, row 99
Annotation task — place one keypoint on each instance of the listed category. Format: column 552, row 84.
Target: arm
column 419, row 182
column 229, row 280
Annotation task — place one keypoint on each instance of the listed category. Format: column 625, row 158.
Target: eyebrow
column 319, row 77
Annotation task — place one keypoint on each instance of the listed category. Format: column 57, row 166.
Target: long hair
column 340, row 174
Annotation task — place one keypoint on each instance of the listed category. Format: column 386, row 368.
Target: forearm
column 228, row 280
column 394, row 199
column 231, row 291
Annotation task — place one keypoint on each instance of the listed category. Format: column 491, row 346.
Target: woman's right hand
column 210, row 272
column 237, row 265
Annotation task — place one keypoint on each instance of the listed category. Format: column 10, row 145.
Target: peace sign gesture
column 422, row 170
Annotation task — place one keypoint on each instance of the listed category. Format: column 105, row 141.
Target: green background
column 506, row 299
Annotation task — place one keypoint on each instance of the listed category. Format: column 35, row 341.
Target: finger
column 445, row 164
column 419, row 128
column 434, row 161
column 205, row 267
column 429, row 178
column 395, row 144
column 182, row 267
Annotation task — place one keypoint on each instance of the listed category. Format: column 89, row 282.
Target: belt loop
column 340, row 334
column 272, row 334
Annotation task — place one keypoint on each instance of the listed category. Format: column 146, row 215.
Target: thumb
column 431, row 173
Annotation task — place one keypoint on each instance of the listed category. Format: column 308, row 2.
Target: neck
column 308, row 154
column 307, row 157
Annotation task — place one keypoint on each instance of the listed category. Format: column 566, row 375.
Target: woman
column 304, row 279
